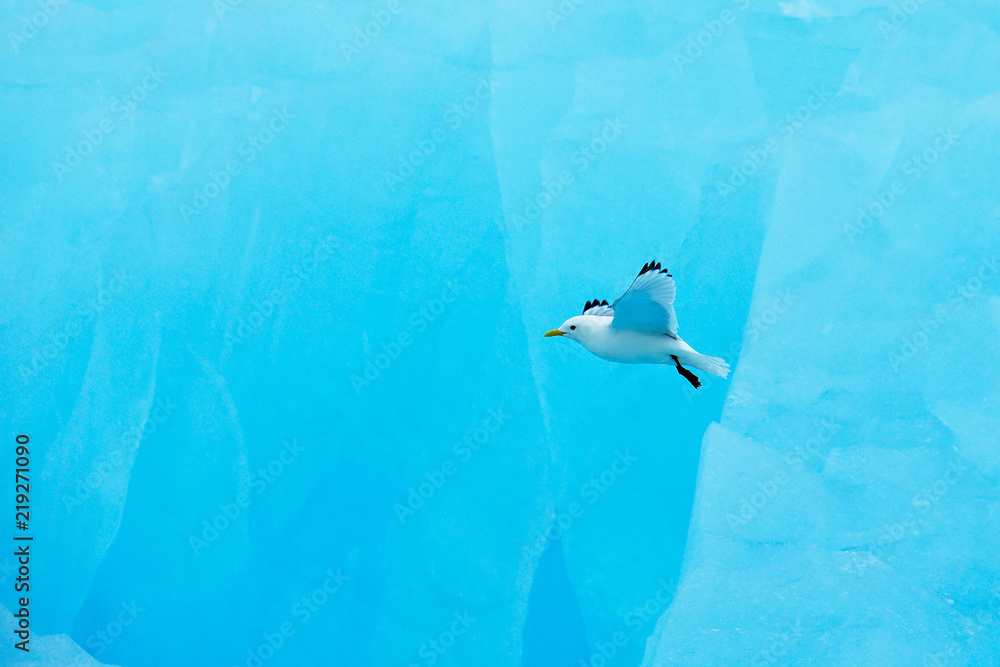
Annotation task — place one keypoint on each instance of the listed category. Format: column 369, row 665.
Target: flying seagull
column 639, row 328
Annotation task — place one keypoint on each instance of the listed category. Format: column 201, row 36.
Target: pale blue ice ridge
column 274, row 283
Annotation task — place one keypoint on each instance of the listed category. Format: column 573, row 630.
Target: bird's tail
column 713, row 365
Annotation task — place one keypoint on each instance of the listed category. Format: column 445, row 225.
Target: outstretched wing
column 599, row 308
column 648, row 305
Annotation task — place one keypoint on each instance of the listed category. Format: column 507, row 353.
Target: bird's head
column 577, row 328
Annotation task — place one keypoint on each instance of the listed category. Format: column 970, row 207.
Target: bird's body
column 631, row 347
column 639, row 328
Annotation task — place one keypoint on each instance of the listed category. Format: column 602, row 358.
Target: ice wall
column 299, row 339
column 606, row 152
column 247, row 239
column 846, row 503
column 275, row 276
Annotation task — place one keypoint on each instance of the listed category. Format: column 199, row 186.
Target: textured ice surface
column 46, row 651
column 273, row 300
column 847, row 505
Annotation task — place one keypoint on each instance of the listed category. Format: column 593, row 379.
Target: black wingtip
column 652, row 266
column 594, row 304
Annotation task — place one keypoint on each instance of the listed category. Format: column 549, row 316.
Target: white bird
column 640, row 328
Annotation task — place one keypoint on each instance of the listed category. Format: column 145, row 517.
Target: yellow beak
column 554, row 332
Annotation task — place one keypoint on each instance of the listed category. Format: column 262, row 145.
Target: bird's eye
column 573, row 326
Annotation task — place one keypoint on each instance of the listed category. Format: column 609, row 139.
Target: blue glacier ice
column 275, row 278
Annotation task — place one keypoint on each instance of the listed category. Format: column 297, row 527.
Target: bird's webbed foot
column 688, row 375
